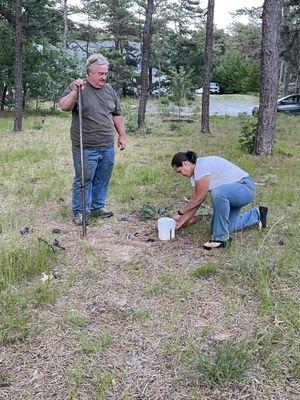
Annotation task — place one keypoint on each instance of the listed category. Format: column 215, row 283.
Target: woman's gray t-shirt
column 220, row 171
column 99, row 106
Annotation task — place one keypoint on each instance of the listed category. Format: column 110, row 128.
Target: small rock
column 55, row 273
column 46, row 277
column 26, row 231
column 55, row 243
column 272, row 266
column 123, row 218
column 56, row 230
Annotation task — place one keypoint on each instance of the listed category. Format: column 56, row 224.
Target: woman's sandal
column 263, row 211
column 216, row 244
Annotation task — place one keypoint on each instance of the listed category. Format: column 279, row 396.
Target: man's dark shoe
column 77, row 219
column 263, row 211
column 101, row 213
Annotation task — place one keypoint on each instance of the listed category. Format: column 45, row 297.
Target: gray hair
column 96, row 59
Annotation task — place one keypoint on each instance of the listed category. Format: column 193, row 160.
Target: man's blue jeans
column 227, row 201
column 98, row 167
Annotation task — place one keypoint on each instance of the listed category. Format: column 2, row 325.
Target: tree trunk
column 150, row 79
column 281, row 72
column 3, row 97
column 24, row 95
column 145, row 64
column 209, row 37
column 286, row 78
column 65, row 24
column 18, row 109
column 269, row 70
column 297, row 84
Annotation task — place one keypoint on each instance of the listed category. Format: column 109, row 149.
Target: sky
column 223, row 8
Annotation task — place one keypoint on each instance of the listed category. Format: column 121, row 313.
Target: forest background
column 177, row 44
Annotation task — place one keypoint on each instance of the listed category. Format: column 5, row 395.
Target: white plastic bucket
column 166, row 228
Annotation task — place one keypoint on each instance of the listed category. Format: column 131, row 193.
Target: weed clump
column 130, row 115
column 204, row 270
column 247, row 135
column 14, row 316
column 17, row 263
column 147, row 211
column 232, row 363
column 174, row 127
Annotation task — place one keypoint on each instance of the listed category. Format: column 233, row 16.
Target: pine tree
column 269, row 70
column 207, row 66
column 18, row 109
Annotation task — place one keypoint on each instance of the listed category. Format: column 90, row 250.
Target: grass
column 15, row 317
column 17, row 263
column 207, row 269
column 75, row 319
column 101, row 383
column 44, row 293
column 231, row 363
column 132, row 317
column 90, row 344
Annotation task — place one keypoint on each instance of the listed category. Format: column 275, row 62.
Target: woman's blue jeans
column 227, row 201
column 98, row 167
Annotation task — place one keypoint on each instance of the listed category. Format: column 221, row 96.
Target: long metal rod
column 82, row 163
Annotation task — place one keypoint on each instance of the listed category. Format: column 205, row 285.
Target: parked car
column 289, row 104
column 213, row 88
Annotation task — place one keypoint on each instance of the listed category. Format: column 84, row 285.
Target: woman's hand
column 176, row 216
column 187, row 218
column 179, row 224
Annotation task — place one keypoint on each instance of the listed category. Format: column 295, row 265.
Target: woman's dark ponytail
column 180, row 157
column 191, row 156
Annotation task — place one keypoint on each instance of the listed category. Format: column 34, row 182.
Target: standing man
column 101, row 118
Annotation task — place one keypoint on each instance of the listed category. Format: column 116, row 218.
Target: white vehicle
column 213, row 88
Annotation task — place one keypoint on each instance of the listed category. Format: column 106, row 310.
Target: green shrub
column 131, row 117
column 174, row 126
column 165, row 101
column 247, row 136
column 147, row 211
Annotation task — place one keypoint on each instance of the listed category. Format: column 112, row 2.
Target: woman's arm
column 199, row 194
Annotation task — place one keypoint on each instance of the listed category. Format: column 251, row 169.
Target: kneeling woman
column 230, row 188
